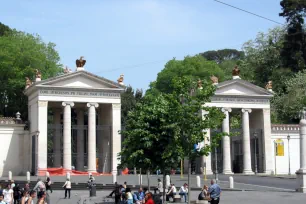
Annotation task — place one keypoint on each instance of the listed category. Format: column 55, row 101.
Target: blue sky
column 137, row 37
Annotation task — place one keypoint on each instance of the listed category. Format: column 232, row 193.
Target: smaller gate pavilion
column 75, row 119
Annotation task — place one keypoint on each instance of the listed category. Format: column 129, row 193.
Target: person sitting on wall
column 171, row 193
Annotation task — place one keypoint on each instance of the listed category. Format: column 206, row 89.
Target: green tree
column 150, row 136
column 187, row 101
column 129, row 98
column 288, row 105
column 293, row 52
column 196, row 67
column 223, row 55
column 4, row 29
column 20, row 55
column 263, row 60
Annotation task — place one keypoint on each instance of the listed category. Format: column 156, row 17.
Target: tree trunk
column 148, row 177
column 164, row 186
column 189, row 175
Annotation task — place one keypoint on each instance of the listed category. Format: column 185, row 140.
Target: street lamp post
column 288, row 137
column 255, row 151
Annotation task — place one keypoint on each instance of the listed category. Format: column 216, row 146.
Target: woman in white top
column 171, row 193
column 8, row 194
column 67, row 187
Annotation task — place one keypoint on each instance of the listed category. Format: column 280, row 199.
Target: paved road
column 242, row 182
column 286, row 183
column 227, row 197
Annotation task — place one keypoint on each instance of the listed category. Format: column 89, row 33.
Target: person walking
column 40, row 186
column 17, row 193
column 48, row 184
column 8, row 194
column 214, row 192
column 67, row 187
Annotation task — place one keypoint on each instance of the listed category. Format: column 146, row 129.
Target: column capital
column 226, row 110
column 116, row 105
column 71, row 104
column 96, row 105
column 246, row 110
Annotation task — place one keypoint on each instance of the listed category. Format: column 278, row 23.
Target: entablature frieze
column 243, row 100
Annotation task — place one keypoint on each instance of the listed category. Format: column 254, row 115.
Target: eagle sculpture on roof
column 80, row 62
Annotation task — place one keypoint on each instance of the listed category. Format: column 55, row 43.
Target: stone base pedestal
column 248, row 172
column 80, row 68
column 301, row 180
column 209, row 172
column 227, row 172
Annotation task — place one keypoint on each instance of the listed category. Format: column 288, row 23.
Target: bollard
column 140, row 179
column 68, row 175
column 135, row 171
column 301, row 173
column 198, row 182
column 167, row 181
column 231, row 182
column 114, row 178
column 28, row 176
column 10, row 175
column 47, row 174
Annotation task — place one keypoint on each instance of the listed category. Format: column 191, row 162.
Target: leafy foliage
column 289, row 104
column 150, row 136
column 20, row 55
column 129, row 98
column 195, row 67
column 264, row 61
column 220, row 56
column 294, row 50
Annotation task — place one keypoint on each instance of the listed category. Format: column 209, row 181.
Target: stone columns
column 67, row 135
column 57, row 137
column 207, row 160
column 247, row 168
column 92, row 136
column 42, row 140
column 301, row 173
column 80, row 140
column 268, row 160
column 116, row 137
column 227, row 167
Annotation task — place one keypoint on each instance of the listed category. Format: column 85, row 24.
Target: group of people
column 14, row 194
column 212, row 193
column 124, row 195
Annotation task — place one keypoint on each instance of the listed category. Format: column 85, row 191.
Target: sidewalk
column 284, row 176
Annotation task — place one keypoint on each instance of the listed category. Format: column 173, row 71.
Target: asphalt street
column 243, row 182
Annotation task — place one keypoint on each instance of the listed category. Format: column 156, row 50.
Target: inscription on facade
column 79, row 93
column 239, row 100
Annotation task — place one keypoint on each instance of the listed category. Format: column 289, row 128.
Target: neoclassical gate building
column 237, row 154
column 75, row 119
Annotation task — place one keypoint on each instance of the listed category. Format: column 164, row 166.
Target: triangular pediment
column 80, row 79
column 239, row 87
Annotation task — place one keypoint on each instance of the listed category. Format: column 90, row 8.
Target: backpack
column 201, row 196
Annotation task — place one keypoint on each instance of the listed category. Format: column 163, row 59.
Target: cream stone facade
column 85, row 109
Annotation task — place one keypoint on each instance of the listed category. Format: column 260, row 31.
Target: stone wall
column 15, row 147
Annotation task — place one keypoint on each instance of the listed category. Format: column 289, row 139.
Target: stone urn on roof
column 236, row 73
